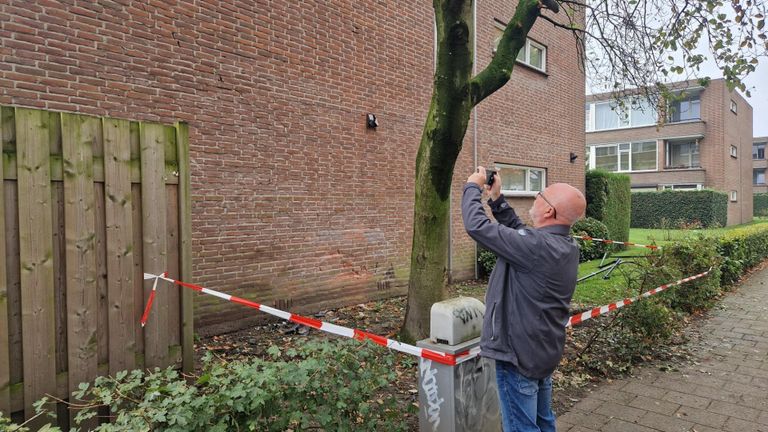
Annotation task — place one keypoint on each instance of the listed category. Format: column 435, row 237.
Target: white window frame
column 755, row 148
column 734, row 106
column 734, row 151
column 624, row 121
column 526, row 50
column 668, row 149
column 734, row 196
column 764, row 179
column 619, row 151
column 684, row 186
column 528, row 191
column 688, row 98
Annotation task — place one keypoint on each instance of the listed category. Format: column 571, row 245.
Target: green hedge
column 741, row 249
column 609, row 201
column 760, row 201
column 707, row 208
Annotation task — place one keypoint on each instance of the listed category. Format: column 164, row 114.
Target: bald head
column 568, row 201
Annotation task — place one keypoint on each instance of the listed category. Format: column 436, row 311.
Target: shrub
column 644, row 327
column 589, row 250
column 609, row 201
column 690, row 257
column 486, row 260
column 740, row 249
column 760, row 203
column 706, row 208
column 331, row 385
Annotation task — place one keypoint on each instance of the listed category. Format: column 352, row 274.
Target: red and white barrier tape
column 599, row 240
column 145, row 315
column 579, row 318
column 444, row 358
column 447, row 359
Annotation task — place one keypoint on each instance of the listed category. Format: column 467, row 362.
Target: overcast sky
column 759, row 99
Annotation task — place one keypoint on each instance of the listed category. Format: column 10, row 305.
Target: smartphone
column 490, row 175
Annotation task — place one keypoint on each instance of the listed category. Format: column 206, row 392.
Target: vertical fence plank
column 185, row 245
column 153, row 204
column 5, row 358
column 59, row 274
column 120, row 245
column 36, row 255
column 138, row 267
column 78, row 135
column 13, row 282
column 60, row 288
column 172, row 263
column 102, row 316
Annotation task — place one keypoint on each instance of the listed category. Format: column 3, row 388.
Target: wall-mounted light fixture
column 573, row 157
column 370, row 121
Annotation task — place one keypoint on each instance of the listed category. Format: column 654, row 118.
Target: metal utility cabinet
column 463, row 397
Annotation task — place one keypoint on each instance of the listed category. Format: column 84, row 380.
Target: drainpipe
column 474, row 109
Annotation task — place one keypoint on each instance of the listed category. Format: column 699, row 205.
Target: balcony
column 669, row 176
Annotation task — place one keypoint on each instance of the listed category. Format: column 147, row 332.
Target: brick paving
column 723, row 388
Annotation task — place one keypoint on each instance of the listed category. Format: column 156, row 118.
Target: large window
column 633, row 112
column 624, row 157
column 521, row 180
column 683, row 154
column 758, row 176
column 758, row 150
column 686, row 108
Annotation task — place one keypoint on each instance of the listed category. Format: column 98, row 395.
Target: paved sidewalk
column 725, row 389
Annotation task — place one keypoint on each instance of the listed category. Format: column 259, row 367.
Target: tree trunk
column 454, row 95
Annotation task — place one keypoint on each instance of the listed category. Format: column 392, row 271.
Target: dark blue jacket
column 530, row 289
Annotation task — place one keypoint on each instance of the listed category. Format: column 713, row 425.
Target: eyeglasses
column 554, row 210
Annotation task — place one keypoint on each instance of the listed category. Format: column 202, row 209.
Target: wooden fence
column 88, row 205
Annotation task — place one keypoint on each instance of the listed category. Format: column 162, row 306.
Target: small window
column 758, row 176
column 521, row 180
column 734, row 152
column 734, row 196
column 534, row 55
column 758, row 150
column 733, row 106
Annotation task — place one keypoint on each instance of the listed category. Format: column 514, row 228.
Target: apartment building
column 297, row 201
column 759, row 165
column 704, row 142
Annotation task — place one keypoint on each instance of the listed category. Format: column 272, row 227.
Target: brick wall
column 294, row 201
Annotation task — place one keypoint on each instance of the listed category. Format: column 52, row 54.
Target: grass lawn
column 597, row 291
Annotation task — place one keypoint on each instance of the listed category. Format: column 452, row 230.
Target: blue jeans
column 526, row 404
